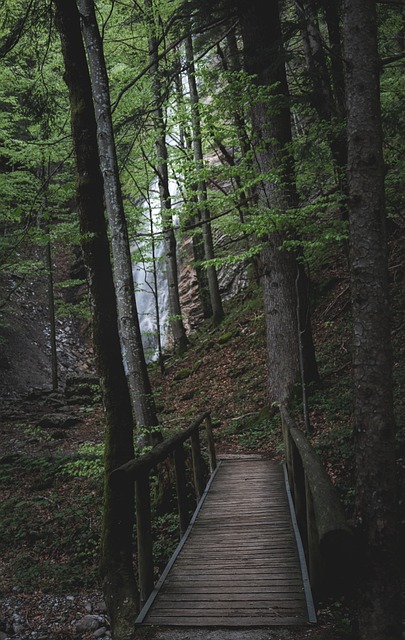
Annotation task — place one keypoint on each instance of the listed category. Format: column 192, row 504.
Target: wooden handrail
column 134, row 469
column 138, row 470
column 327, row 538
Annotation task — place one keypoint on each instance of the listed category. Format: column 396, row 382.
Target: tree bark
column 52, row 314
column 278, row 268
column 45, row 223
column 213, row 286
column 197, row 237
column 175, row 318
column 328, row 105
column 131, row 343
column 333, row 11
column 232, row 62
column 118, row 516
column 374, row 429
column 321, row 93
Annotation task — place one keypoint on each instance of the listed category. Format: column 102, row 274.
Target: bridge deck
column 239, row 565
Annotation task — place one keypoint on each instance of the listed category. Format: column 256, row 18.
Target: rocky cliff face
column 25, row 335
column 25, row 351
column 232, row 278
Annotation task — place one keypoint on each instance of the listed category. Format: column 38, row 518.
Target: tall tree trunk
column 118, row 515
column 52, row 314
column 131, row 342
column 333, row 10
column 215, row 296
column 45, row 223
column 374, row 429
column 156, row 293
column 278, row 268
column 175, row 319
column 328, row 106
column 321, row 93
column 231, row 61
column 235, row 64
column 197, row 237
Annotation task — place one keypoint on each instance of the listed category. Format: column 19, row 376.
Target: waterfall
column 149, row 286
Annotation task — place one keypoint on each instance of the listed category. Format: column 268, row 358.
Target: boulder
column 60, row 421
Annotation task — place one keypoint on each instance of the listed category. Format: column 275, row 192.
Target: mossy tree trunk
column 374, row 427
column 118, row 517
column 131, row 343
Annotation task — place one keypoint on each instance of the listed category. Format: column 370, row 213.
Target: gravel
column 50, row 617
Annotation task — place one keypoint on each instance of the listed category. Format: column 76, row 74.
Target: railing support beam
column 144, row 537
column 198, row 464
column 211, row 443
column 181, row 487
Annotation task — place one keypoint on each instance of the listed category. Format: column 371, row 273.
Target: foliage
column 165, row 533
column 89, row 462
column 50, row 522
column 255, row 434
column 34, row 134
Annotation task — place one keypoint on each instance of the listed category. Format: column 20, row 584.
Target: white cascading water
column 144, row 280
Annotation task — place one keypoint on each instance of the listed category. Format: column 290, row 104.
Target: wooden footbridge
column 240, row 561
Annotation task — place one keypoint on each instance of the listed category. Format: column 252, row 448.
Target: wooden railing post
column 313, row 552
column 198, row 464
column 288, row 445
column 181, row 487
column 144, row 537
column 211, row 443
column 300, row 500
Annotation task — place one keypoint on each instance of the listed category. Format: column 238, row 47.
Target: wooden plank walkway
column 239, row 565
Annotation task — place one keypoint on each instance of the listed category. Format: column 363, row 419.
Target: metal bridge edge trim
column 144, row 611
column 312, row 619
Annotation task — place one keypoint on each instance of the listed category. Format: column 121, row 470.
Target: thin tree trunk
column 374, row 428
column 131, row 342
column 156, row 293
column 52, row 318
column 175, row 318
column 44, row 223
column 215, row 296
column 197, row 238
column 117, row 574
column 247, row 197
column 333, row 9
column 330, row 109
column 321, row 94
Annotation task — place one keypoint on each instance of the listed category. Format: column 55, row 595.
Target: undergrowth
column 50, row 515
column 49, row 526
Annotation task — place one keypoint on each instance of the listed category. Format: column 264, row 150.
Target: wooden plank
column 239, row 566
column 229, row 582
column 230, row 619
column 234, row 590
column 198, row 599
